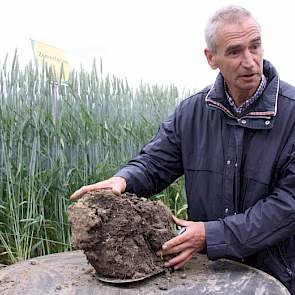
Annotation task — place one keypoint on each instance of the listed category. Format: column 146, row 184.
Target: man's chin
column 249, row 83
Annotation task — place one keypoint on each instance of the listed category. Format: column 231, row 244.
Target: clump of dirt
column 120, row 235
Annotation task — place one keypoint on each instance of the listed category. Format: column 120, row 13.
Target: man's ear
column 211, row 59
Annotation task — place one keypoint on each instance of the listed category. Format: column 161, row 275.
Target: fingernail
column 164, row 247
column 166, row 264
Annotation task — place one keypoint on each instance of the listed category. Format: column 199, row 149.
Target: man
column 235, row 144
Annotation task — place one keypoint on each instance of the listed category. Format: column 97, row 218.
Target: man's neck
column 243, row 99
column 241, row 96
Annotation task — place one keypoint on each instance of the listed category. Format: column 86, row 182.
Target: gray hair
column 227, row 15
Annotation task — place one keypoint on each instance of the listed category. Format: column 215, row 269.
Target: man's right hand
column 116, row 183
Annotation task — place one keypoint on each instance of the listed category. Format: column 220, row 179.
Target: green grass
column 55, row 138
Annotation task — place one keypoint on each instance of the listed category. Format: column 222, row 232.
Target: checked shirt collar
column 245, row 105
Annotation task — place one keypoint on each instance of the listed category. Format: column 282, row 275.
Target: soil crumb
column 120, row 235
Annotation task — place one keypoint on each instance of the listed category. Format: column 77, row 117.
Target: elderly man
column 235, row 143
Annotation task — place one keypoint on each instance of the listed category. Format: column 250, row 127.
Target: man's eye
column 255, row 46
column 233, row 52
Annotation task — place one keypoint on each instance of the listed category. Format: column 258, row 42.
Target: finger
column 181, row 258
column 118, row 188
column 181, row 264
column 180, row 222
column 175, row 249
column 79, row 193
column 175, row 241
column 118, row 185
column 85, row 189
column 116, row 191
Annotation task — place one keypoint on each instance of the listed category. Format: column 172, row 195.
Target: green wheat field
column 56, row 137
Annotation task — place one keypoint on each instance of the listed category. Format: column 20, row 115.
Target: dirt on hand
column 120, row 235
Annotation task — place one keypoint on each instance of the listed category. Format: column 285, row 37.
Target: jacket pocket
column 252, row 191
column 276, row 263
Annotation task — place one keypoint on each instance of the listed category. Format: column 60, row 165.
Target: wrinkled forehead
column 241, row 30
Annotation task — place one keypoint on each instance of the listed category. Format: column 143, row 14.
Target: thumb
column 180, row 222
column 117, row 190
column 119, row 186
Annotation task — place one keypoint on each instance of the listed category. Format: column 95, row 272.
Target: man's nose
column 248, row 59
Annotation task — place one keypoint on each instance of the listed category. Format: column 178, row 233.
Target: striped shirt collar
column 246, row 104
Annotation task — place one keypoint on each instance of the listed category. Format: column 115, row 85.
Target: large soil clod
column 120, row 235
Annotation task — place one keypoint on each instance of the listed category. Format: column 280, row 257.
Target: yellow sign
column 52, row 57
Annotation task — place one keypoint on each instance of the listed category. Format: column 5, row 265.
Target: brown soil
column 120, row 235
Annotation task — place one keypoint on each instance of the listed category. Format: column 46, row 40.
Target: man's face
column 239, row 56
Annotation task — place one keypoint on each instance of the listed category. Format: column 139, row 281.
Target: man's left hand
column 187, row 244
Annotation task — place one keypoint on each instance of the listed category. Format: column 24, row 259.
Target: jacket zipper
column 256, row 117
column 285, row 263
column 239, row 119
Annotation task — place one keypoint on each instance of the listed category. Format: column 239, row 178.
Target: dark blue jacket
column 239, row 173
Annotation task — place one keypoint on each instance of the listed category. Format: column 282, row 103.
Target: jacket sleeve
column 158, row 164
column 269, row 221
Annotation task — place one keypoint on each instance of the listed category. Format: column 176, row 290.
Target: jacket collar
column 266, row 106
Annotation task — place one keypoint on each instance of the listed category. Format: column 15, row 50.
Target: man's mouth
column 248, row 75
